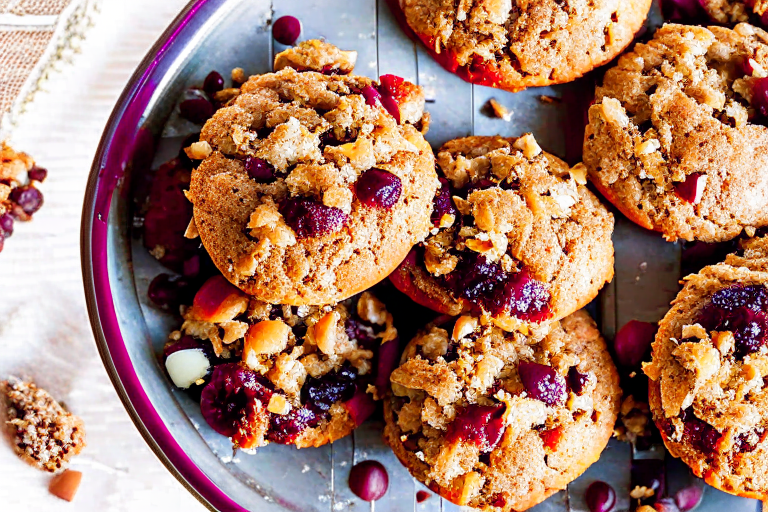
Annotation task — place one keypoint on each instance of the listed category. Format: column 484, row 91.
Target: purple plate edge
column 115, row 150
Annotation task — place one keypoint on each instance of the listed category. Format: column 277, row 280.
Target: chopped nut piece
column 500, row 110
column 640, row 492
column 528, row 145
column 266, row 337
column 694, row 331
column 238, row 75
column 199, row 150
column 579, row 173
column 191, row 231
column 278, row 405
column 324, row 332
column 723, row 341
column 464, row 325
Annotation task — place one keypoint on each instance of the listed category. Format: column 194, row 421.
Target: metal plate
column 223, row 34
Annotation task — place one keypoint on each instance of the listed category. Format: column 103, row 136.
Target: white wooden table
column 44, row 329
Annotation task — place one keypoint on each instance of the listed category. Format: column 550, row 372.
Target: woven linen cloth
column 34, row 36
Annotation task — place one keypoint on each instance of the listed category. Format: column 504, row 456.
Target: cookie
column 501, row 421
column 300, row 375
column 313, row 187
column 316, row 55
column 516, row 236
column 676, row 137
column 514, row 45
column 707, row 391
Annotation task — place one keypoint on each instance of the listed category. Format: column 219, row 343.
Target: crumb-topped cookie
column 709, row 370
column 44, row 434
column 501, row 421
column 514, row 45
column 301, row 375
column 313, row 187
column 677, row 138
column 516, row 235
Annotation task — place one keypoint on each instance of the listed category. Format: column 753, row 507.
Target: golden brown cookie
column 676, row 138
column 501, row 421
column 300, row 375
column 736, row 11
column 514, row 44
column 708, row 390
column 516, row 236
column 313, row 187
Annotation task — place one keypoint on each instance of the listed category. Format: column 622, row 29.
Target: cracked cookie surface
column 676, row 138
column 313, row 187
column 516, row 236
column 707, row 388
column 514, row 44
column 501, row 421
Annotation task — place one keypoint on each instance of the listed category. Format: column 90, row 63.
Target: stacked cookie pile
column 311, row 185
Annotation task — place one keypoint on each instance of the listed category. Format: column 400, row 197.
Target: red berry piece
column 286, row 30
column 600, row 497
column 390, row 105
column 703, row 436
column 526, row 298
column 371, row 95
column 742, row 309
column 28, row 198
column 6, row 224
column 310, row 218
column 422, row 496
column 442, row 204
column 378, row 189
column 38, row 174
column 213, row 83
column 259, row 169
column 687, row 11
column 542, row 382
column 196, row 110
column 760, row 95
column 689, row 498
column 285, row 429
column 391, row 85
column 632, row 342
column 169, row 292
column 228, row 402
column 692, row 189
column 482, row 425
column 577, row 380
column 369, row 480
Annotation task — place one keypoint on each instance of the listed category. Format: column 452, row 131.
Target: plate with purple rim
column 145, row 130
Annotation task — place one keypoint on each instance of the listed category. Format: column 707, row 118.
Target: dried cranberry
column 28, row 198
column 689, row 498
column 310, row 218
column 692, row 189
column 321, row 393
column 259, row 169
column 390, row 105
column 286, row 30
column 38, row 174
column 371, row 95
column 6, row 224
column 286, row 428
column 482, row 425
column 170, row 292
column 577, row 380
column 702, row 436
column 196, row 110
column 760, row 96
column 213, row 83
column 632, row 342
column 442, row 204
column 526, row 298
column 422, row 496
column 600, row 497
column 742, row 310
column 369, row 480
column 229, row 401
column 391, row 85
column 378, row 189
column 542, row 382
column 687, row 11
